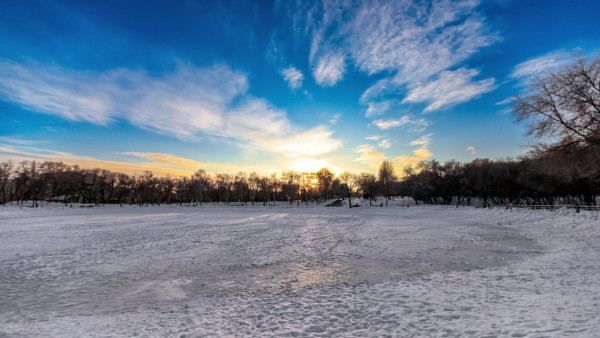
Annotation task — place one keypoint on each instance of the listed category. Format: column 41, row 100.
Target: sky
column 269, row 86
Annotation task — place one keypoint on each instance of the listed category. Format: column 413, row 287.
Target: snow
column 298, row 271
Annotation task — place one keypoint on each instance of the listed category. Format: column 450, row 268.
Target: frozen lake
column 234, row 271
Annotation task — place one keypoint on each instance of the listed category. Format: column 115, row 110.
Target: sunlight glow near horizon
column 309, row 165
column 270, row 86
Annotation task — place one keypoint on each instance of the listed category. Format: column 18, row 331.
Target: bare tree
column 240, row 186
column 387, row 178
column 199, row 180
column 254, row 185
column 325, row 182
column 348, row 182
column 125, row 186
column 368, row 185
column 26, row 187
column 166, row 187
column 225, row 185
column 6, row 185
column 564, row 107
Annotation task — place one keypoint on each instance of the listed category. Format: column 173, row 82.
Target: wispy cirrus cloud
column 329, row 70
column 450, row 88
column 293, row 77
column 387, row 124
column 422, row 141
column 378, row 108
column 506, row 101
column 9, row 151
column 471, row 149
column 418, row 40
column 54, row 90
column 331, row 118
column 181, row 103
column 541, row 64
column 412, row 43
column 187, row 102
column 18, row 141
column 416, row 125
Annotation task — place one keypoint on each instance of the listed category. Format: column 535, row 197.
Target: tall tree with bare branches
column 387, row 178
column 563, row 107
column 348, row 182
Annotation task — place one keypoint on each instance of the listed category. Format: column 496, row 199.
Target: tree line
column 554, row 178
column 546, row 178
column 60, row 182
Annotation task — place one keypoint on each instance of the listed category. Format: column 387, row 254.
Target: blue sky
column 268, row 86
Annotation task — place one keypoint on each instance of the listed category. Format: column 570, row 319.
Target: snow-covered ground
column 297, row 271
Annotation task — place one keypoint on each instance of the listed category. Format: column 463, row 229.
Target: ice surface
column 297, row 271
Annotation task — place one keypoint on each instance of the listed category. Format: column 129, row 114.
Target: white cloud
column 387, row 124
column 385, row 144
column 255, row 119
column 379, row 90
column 293, row 77
column 417, row 40
column 422, row 141
column 472, row 149
column 54, row 91
column 18, row 141
column 188, row 103
column 373, row 138
column 541, row 64
column 10, row 151
column 506, row 101
column 450, row 88
column 416, row 125
column 329, row 69
column 378, row 108
column 411, row 43
column 331, row 118
column 182, row 103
